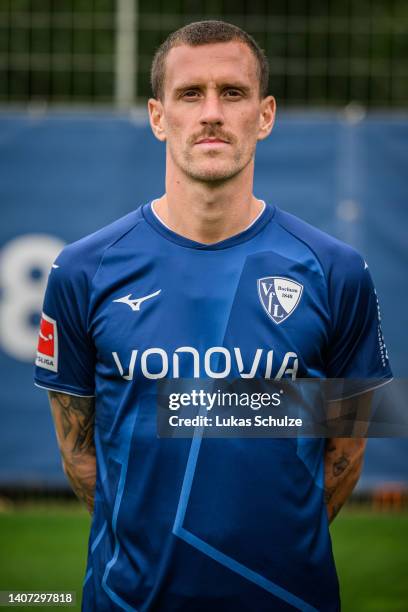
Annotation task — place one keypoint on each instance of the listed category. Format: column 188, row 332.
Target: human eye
column 190, row 94
column 233, row 93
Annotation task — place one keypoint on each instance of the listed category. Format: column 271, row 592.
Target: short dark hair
column 204, row 33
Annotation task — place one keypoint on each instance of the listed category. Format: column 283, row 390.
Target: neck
column 208, row 212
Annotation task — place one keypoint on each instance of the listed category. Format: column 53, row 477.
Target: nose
column 211, row 110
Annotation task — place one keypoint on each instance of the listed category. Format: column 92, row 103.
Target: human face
column 211, row 115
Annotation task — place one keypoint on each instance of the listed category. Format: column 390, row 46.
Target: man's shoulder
column 85, row 254
column 332, row 253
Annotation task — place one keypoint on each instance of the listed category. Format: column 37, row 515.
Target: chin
column 213, row 173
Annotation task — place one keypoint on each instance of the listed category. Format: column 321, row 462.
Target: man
column 185, row 287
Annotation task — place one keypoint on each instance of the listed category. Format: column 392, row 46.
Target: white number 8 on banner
column 24, row 266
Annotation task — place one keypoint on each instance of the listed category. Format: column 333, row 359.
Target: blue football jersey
column 206, row 524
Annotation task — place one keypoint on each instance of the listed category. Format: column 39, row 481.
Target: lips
column 210, row 140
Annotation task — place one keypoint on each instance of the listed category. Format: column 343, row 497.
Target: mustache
column 212, row 133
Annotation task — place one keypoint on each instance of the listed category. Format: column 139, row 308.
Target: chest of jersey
column 245, row 312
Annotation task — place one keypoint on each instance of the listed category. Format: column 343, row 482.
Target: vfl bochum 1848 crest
column 279, row 296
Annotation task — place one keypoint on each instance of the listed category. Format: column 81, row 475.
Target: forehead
column 212, row 62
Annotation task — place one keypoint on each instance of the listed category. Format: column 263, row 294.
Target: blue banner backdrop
column 63, row 176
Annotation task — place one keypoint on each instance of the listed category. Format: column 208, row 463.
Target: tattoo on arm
column 74, row 424
column 77, row 419
column 340, row 465
column 343, row 464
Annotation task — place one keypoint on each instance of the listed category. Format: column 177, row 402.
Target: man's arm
column 344, row 457
column 343, row 463
column 74, row 425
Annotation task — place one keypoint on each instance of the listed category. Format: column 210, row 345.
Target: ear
column 156, row 118
column 267, row 117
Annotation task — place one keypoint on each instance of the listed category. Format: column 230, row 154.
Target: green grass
column 371, row 553
column 43, row 548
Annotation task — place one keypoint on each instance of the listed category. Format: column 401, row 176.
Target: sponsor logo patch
column 279, row 296
column 134, row 304
column 47, row 349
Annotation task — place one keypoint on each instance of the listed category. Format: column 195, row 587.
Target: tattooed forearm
column 340, row 465
column 74, row 424
column 81, row 474
column 343, row 464
column 76, row 418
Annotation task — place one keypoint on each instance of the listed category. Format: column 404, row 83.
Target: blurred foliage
column 322, row 52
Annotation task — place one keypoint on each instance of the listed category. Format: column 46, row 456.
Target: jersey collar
column 256, row 226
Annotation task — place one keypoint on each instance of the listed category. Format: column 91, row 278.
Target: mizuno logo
column 136, row 303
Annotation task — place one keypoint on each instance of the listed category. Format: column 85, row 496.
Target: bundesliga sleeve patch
column 47, row 349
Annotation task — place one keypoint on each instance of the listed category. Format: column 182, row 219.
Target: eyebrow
column 227, row 85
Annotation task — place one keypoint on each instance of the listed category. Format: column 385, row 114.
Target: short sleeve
column 65, row 358
column 357, row 349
